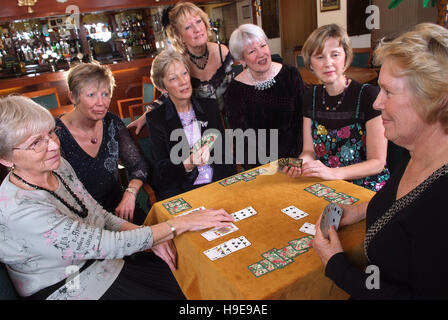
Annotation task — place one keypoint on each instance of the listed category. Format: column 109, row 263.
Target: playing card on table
column 314, row 188
column 215, row 253
column 176, row 205
column 243, row 214
column 294, row 212
column 218, row 232
column 346, row 199
column 228, row 181
column 247, row 177
column 301, row 244
column 239, row 243
column 287, row 252
column 324, row 191
column 190, row 211
column 330, row 217
column 257, row 269
column 332, row 197
column 268, row 265
column 308, row 228
column 276, row 259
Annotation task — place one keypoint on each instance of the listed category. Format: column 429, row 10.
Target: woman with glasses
column 93, row 140
column 51, row 228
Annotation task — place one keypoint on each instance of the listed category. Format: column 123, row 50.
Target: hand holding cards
column 330, row 217
column 289, row 162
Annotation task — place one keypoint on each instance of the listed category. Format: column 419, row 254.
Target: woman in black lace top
column 210, row 64
column 266, row 95
column 406, row 220
column 94, row 140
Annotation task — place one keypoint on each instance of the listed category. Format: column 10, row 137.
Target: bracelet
column 173, row 230
column 132, row 191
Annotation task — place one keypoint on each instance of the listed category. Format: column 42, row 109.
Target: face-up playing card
column 176, row 205
column 243, row 214
column 218, row 232
column 294, row 212
column 308, row 228
column 190, row 211
column 257, row 269
column 239, row 243
column 330, row 217
column 215, row 253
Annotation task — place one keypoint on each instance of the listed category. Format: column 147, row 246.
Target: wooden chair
column 49, row 99
column 362, row 57
column 148, row 96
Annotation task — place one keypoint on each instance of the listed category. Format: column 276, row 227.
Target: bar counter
column 128, row 80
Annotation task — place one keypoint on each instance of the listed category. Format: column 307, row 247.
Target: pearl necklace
column 265, row 84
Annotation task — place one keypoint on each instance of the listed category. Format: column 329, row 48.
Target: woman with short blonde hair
column 161, row 63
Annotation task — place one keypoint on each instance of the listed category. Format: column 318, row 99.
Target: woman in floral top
column 343, row 136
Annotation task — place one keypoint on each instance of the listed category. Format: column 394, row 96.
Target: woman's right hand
column 138, row 123
column 203, row 219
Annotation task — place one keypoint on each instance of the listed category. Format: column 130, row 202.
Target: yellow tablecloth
column 229, row 277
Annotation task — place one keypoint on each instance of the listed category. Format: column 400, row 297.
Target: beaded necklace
column 199, row 61
column 82, row 213
column 339, row 101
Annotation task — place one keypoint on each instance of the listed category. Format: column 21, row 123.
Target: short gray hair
column 20, row 118
column 161, row 63
column 244, row 36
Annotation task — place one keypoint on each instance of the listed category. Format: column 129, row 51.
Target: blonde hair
column 421, row 56
column 161, row 63
column 20, row 118
column 316, row 42
column 85, row 74
column 177, row 16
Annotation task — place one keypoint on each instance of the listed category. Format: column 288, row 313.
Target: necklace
column 324, row 92
column 264, row 84
column 82, row 213
column 199, row 61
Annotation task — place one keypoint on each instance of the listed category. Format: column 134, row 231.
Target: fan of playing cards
column 330, row 217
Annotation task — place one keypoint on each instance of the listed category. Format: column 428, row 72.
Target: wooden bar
column 128, row 78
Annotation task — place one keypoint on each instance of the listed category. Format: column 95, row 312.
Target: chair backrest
column 7, row 291
column 47, row 98
column 299, row 59
column 237, row 69
column 361, row 57
column 149, row 91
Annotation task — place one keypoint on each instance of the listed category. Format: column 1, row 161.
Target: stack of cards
column 289, row 162
column 227, row 248
column 245, row 176
column 330, row 217
column 243, row 214
column 275, row 259
column 294, row 212
column 219, row 232
column 330, row 194
column 208, row 139
column 176, row 205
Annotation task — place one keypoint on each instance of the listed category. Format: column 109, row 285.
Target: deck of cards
column 226, row 248
column 330, row 217
column 289, row 162
column 294, row 212
column 208, row 139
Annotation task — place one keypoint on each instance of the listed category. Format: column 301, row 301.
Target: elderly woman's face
column 401, row 122
column 94, row 100
column 39, row 153
column 257, row 56
column 193, row 31
column 177, row 81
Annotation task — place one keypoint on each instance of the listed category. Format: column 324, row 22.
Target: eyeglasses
column 41, row 144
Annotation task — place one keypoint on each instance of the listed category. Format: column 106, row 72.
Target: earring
column 11, row 168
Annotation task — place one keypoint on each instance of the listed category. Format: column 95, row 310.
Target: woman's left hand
column 326, row 248
column 317, row 169
column 125, row 208
column 167, row 252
